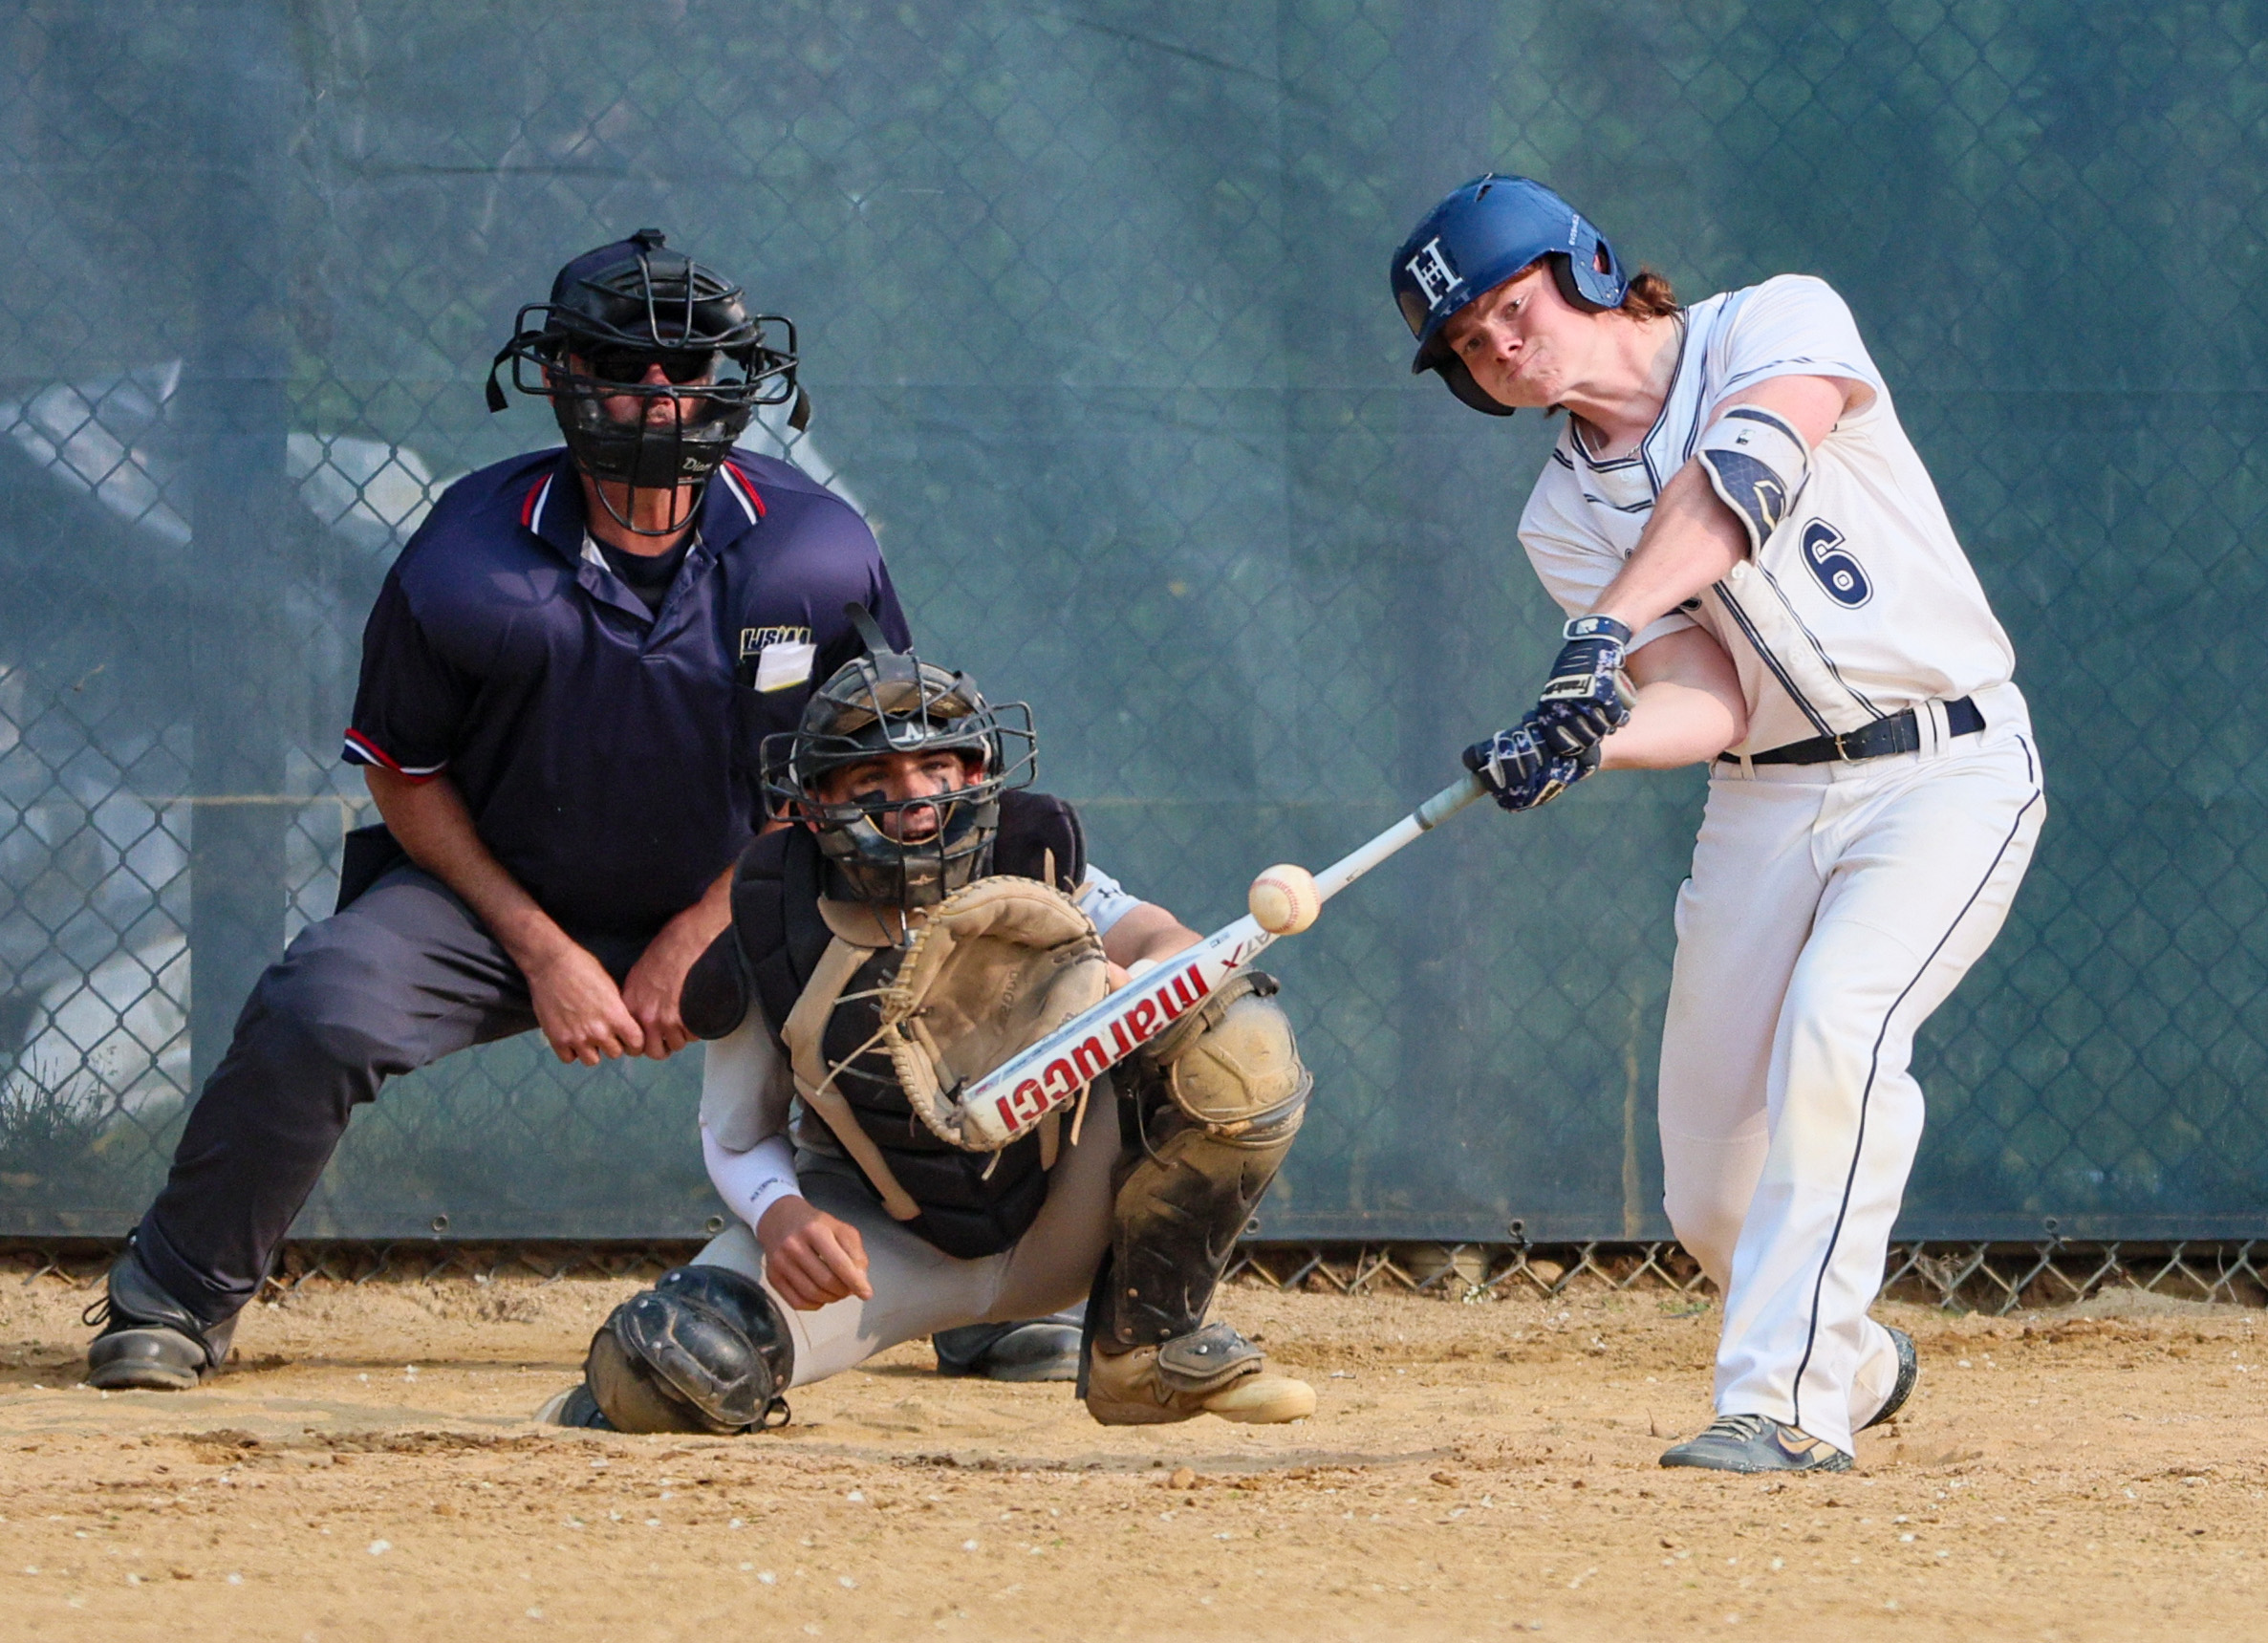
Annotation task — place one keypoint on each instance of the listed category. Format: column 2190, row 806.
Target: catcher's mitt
column 994, row 968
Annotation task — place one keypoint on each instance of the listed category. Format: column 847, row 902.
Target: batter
column 1758, row 574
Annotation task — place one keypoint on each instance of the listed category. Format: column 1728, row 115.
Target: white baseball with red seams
column 1283, row 899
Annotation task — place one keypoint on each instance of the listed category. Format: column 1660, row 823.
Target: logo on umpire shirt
column 775, row 658
column 1838, row 572
column 754, row 640
column 1429, row 269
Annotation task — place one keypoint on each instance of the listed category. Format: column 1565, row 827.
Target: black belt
column 1899, row 733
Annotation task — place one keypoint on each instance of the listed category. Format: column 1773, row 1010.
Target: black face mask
column 614, row 314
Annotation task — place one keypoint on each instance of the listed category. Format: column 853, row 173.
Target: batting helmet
column 1479, row 237
column 615, row 312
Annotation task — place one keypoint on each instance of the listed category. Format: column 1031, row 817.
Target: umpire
column 565, row 682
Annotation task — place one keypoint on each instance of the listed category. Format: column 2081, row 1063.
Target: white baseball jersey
column 1861, row 604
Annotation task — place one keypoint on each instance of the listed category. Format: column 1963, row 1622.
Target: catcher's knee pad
column 706, row 1349
column 1231, row 1067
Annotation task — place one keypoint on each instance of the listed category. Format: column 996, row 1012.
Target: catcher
column 922, row 920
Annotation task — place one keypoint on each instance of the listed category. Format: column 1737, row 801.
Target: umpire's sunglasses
column 628, row 365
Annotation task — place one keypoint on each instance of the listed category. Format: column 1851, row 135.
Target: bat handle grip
column 1451, row 799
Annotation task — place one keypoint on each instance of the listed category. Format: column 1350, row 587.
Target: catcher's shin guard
column 1216, row 1105
column 706, row 1349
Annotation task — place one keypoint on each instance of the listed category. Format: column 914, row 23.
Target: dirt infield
column 368, row 1470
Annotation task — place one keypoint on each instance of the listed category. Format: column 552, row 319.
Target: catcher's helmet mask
column 891, row 701
column 1475, row 238
column 614, row 314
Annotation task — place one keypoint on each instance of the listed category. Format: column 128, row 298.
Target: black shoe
column 1035, row 1349
column 1909, row 1371
column 149, row 1340
column 1757, row 1443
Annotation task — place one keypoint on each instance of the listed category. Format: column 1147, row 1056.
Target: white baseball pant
column 1831, row 909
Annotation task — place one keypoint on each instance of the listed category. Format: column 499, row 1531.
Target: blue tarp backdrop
column 1093, row 305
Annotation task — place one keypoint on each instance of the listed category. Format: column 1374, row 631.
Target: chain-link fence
column 1091, row 299
column 1958, row 1275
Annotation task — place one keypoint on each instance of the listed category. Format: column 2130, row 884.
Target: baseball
column 1284, row 900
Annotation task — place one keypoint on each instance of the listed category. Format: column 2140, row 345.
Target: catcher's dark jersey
column 973, row 1204
column 607, row 751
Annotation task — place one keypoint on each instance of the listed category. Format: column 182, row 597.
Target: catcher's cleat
column 1909, row 1371
column 575, row 1406
column 149, row 1341
column 1037, row 1349
column 1213, row 1371
column 1757, row 1443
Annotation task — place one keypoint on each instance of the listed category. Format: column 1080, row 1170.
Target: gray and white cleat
column 1757, row 1443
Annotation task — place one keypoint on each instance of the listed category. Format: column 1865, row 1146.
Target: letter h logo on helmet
column 1429, row 269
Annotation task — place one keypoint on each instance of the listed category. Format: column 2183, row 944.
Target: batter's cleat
column 1213, row 1371
column 1036, row 1348
column 1909, row 1371
column 1757, row 1443
column 149, row 1341
column 575, row 1406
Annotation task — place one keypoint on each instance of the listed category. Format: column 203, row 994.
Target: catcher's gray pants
column 401, row 977
column 919, row 1288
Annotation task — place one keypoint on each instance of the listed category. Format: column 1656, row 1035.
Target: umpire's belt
column 1899, row 733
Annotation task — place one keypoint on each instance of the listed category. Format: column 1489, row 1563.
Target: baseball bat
column 1008, row 1101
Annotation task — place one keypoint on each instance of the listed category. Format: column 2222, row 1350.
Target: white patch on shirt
column 782, row 665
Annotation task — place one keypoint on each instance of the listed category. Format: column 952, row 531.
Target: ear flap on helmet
column 1586, row 286
column 1460, row 378
column 1563, row 275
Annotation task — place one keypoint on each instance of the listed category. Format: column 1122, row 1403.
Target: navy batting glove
column 1520, row 772
column 1588, row 696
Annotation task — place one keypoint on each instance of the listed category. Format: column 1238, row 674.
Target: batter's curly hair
column 1649, row 296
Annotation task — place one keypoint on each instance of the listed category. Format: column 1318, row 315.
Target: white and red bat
column 1018, row 1093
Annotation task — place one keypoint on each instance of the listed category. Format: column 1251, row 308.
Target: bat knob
column 1284, row 900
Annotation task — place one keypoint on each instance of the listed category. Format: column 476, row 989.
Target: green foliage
column 70, row 1161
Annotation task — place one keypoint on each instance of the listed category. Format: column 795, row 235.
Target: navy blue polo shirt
column 609, row 753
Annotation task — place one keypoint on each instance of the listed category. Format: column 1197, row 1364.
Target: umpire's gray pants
column 401, row 977
column 919, row 1288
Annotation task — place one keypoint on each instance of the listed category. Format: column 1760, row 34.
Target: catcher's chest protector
column 970, row 1205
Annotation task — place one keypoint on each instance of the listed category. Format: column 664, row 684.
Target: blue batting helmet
column 1474, row 239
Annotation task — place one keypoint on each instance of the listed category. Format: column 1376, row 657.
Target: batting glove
column 1588, row 696
column 1520, row 772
